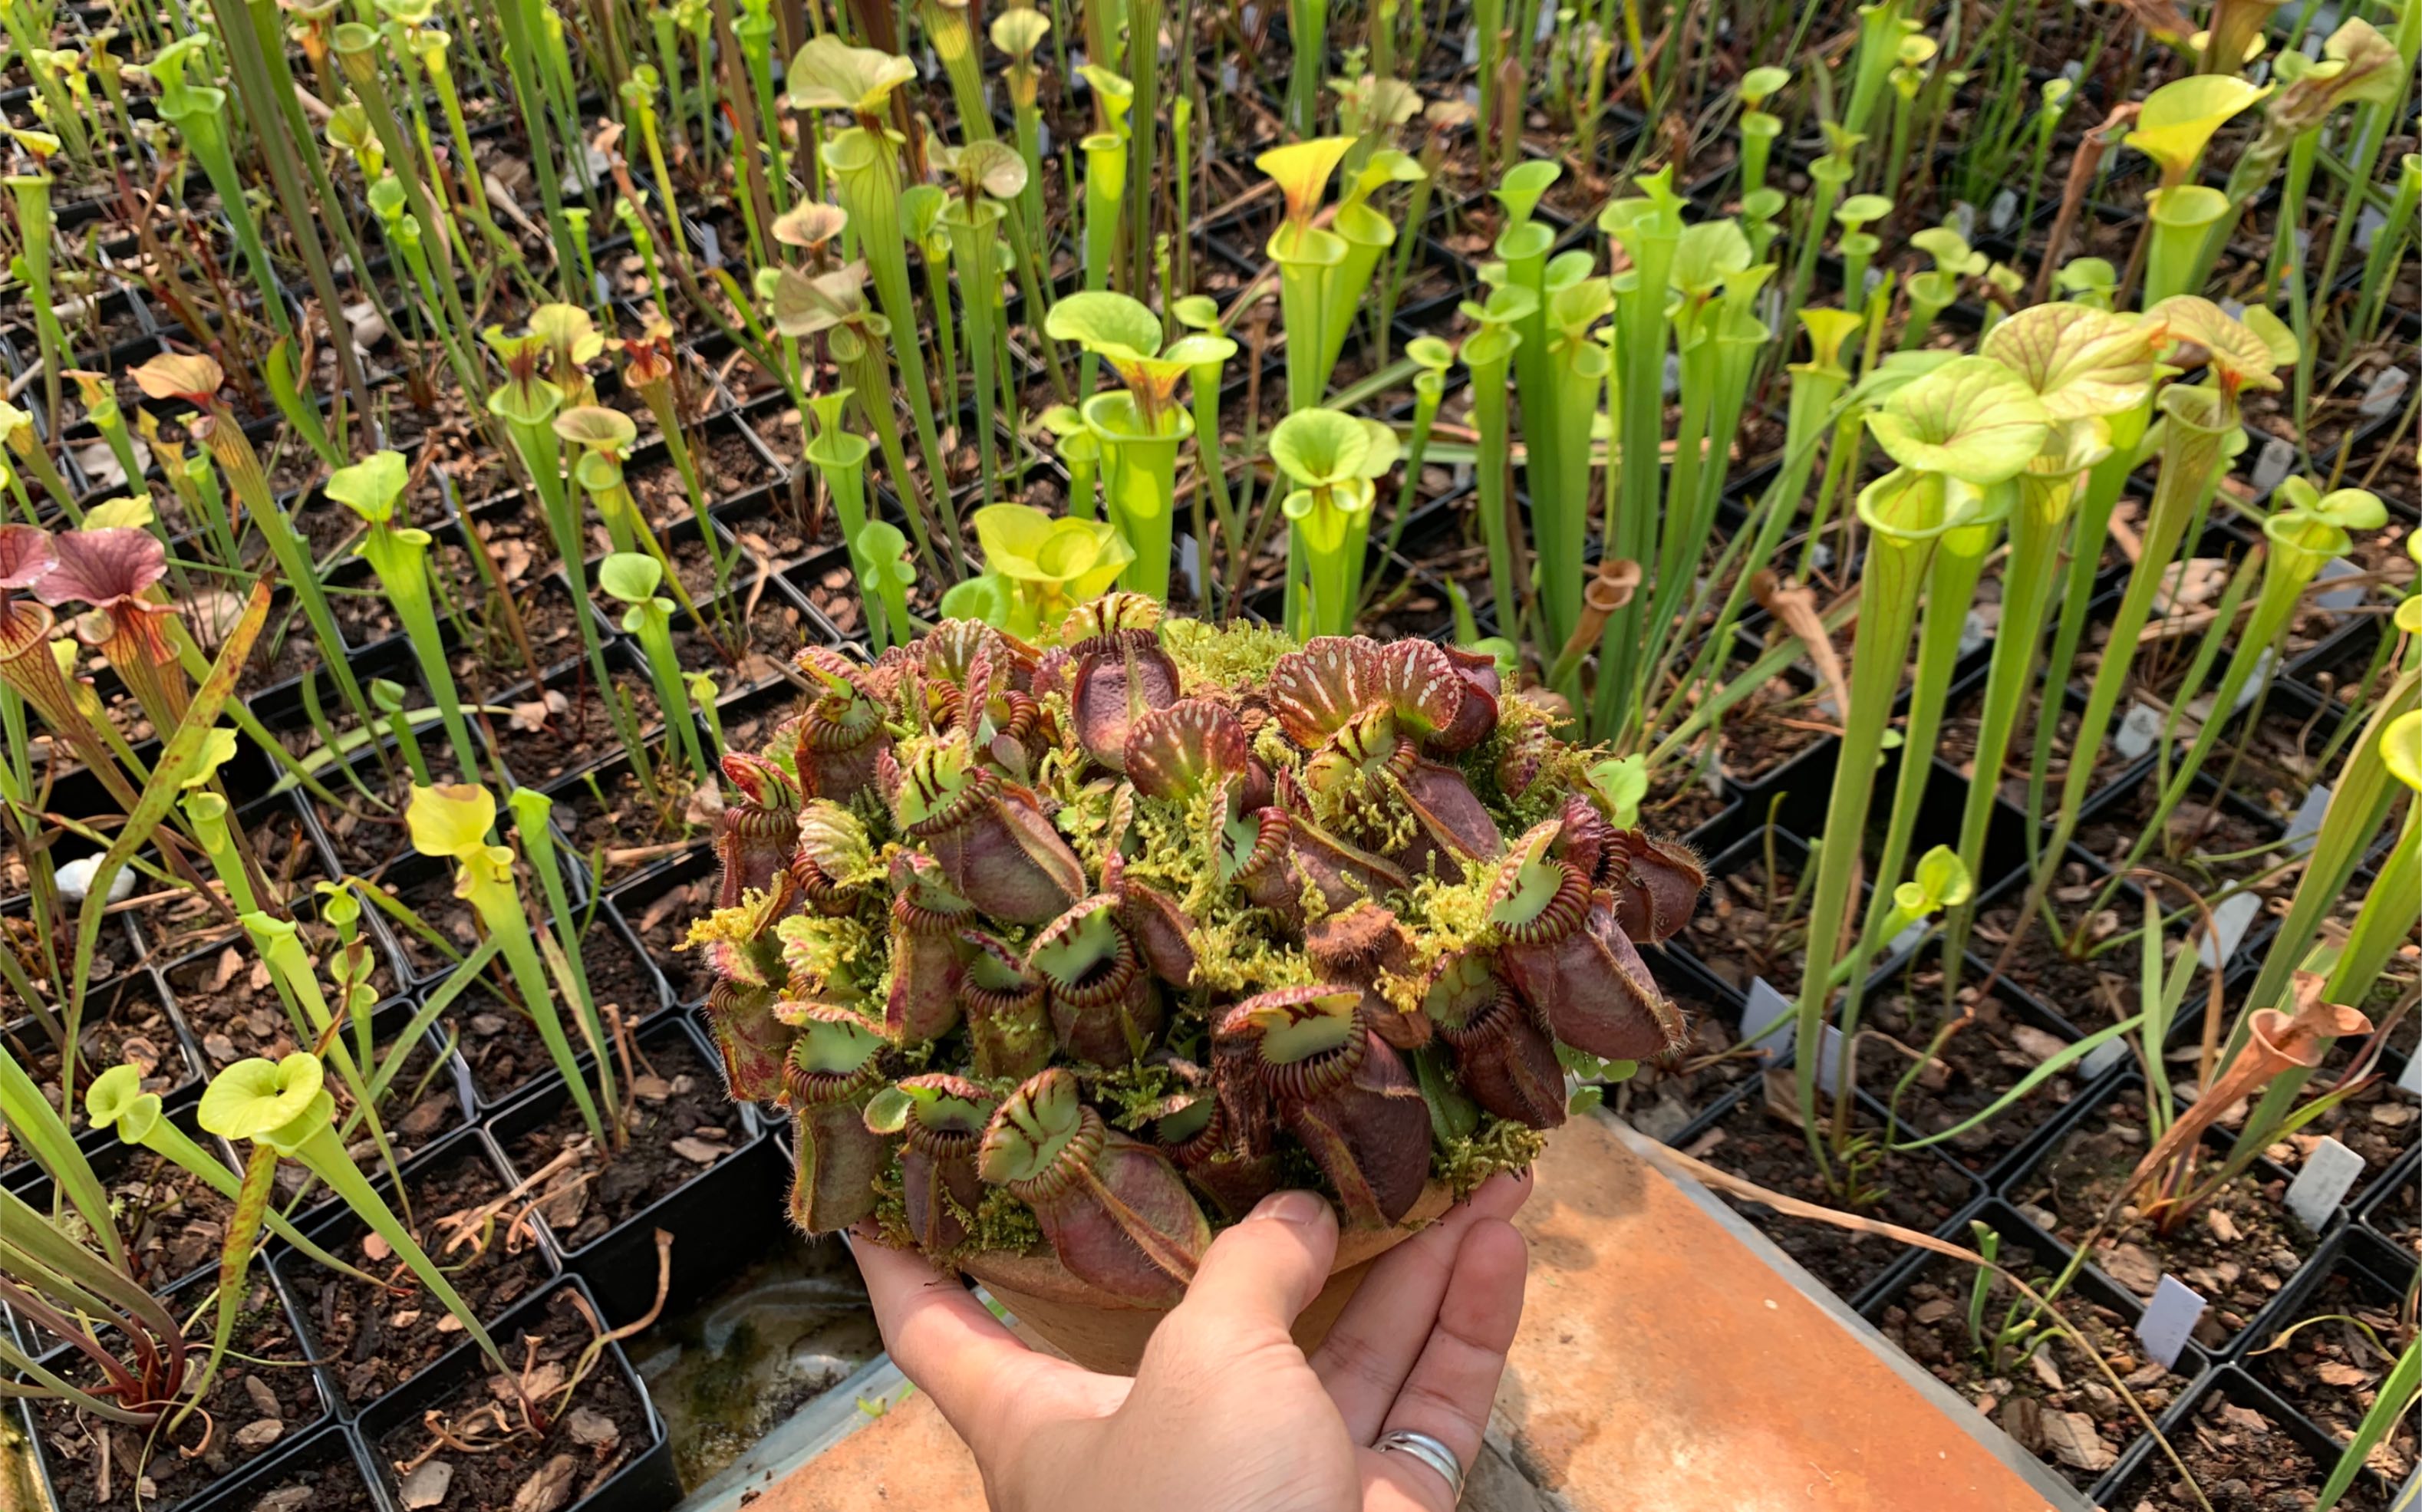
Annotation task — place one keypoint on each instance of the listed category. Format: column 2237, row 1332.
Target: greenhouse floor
column 1669, row 1358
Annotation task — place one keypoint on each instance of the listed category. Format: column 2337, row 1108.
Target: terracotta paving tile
column 1662, row 1363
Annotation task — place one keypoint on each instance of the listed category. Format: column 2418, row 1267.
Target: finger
column 1367, row 1356
column 946, row 1341
column 1259, row 1274
column 1454, row 1381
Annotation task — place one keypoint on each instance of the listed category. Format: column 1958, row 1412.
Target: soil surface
column 679, row 1124
column 2053, row 1399
column 1992, row 1046
column 1918, row 1191
column 2238, row 1248
column 2244, row 1462
column 601, row 1426
column 263, row 1394
column 375, row 1339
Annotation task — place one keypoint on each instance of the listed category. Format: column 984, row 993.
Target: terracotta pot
column 1109, row 1336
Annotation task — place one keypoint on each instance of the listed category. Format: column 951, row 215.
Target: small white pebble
column 76, row 880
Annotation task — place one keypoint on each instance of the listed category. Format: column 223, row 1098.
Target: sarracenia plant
column 633, row 578
column 1963, row 428
column 454, row 822
column 1037, row 570
column 372, row 489
column 282, row 1107
column 1335, row 460
column 864, row 162
column 1324, row 272
column 1142, row 428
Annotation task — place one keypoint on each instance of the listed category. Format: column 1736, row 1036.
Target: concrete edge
column 816, row 1427
column 2054, row 1490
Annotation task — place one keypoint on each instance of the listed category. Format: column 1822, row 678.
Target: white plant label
column 2004, row 209
column 1973, row 633
column 2273, row 464
column 2231, row 918
column 2138, row 728
column 1768, row 1023
column 1768, row 1010
column 2339, row 598
column 2330, row 1172
column 2305, row 825
column 2170, row 1320
column 2387, row 389
column 2412, row 1081
column 2102, row 1058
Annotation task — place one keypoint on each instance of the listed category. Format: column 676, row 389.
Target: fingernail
column 1299, row 1208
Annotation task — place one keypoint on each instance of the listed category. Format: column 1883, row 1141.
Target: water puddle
column 748, row 1357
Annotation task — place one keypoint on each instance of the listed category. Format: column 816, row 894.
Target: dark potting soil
column 663, row 921
column 2056, row 1401
column 1989, row 1052
column 2238, row 1248
column 325, row 1481
column 1916, row 1191
column 2330, row 1360
column 2377, row 1122
column 1957, row 745
column 2196, row 831
column 1680, row 799
column 564, row 726
column 498, row 1042
column 1747, row 926
column 172, row 1220
column 132, row 1026
column 594, row 1433
column 750, row 642
column 2242, row 1461
column 608, row 811
column 263, row 1393
column 375, row 1339
column 1770, row 727
column 678, row 1125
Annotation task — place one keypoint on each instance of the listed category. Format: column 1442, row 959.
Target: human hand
column 1226, row 1414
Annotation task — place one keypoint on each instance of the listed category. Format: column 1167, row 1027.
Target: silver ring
column 1429, row 1452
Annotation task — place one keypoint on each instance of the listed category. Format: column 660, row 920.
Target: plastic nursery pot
column 1731, row 944
column 327, row 1471
column 214, row 996
column 1924, row 1312
column 66, row 1455
column 425, row 884
column 2242, row 1276
column 2393, row 1213
column 1101, row 1333
column 2285, row 1452
column 367, row 1343
column 659, row 905
column 560, row 726
column 723, row 1205
column 634, row 1474
column 126, row 1015
column 2003, row 1035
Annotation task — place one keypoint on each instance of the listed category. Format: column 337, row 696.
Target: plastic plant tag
column 1189, row 565
column 2138, row 728
column 2231, row 918
column 2305, row 825
column 2330, row 1172
column 1963, row 220
column 710, row 245
column 2273, row 464
column 2004, row 209
column 2412, row 1081
column 1829, row 1065
column 1973, row 633
column 2388, row 389
column 2339, row 598
column 1768, row 1010
column 2170, row 1320
column 2103, row 1057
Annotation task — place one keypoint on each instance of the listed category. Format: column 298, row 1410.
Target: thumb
column 1263, row 1271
